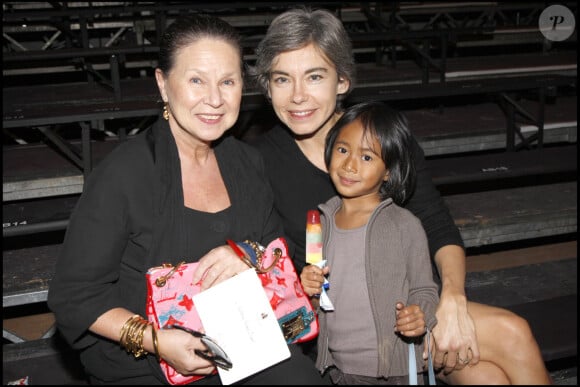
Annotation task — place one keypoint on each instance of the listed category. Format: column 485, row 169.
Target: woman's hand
column 454, row 343
column 218, row 265
column 312, row 278
column 177, row 348
column 410, row 320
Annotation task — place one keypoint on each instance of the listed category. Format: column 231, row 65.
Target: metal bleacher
column 490, row 100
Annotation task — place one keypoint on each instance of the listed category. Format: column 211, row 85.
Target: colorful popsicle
column 313, row 237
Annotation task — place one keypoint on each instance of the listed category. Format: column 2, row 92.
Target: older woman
column 179, row 190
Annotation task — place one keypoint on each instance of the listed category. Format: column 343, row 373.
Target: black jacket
column 130, row 218
column 300, row 186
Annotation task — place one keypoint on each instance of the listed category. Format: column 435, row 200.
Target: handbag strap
column 413, row 363
column 430, row 371
column 258, row 254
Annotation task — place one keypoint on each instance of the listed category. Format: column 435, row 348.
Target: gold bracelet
column 132, row 335
column 155, row 342
column 128, row 338
column 140, row 350
column 124, row 329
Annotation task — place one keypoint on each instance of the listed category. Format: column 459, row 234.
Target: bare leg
column 509, row 353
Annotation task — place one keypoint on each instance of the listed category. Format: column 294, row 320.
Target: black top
column 131, row 217
column 299, row 186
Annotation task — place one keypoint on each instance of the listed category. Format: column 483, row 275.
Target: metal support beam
column 511, row 107
column 68, row 149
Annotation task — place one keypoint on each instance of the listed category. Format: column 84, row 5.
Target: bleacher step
column 498, row 216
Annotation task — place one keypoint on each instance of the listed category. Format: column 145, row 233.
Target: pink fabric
column 172, row 303
column 285, row 291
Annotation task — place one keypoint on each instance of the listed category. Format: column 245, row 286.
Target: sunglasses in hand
column 214, row 352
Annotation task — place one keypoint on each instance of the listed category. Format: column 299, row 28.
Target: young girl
column 377, row 252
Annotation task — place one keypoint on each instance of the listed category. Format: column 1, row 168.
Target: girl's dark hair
column 391, row 130
column 190, row 28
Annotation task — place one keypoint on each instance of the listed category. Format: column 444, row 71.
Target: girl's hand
column 410, row 320
column 312, row 278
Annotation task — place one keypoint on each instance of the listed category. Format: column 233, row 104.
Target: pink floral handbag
column 290, row 303
column 170, row 292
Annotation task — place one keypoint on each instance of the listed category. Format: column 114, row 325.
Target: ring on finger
column 462, row 361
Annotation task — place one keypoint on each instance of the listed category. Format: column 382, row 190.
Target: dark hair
column 295, row 29
column 190, row 28
column 391, row 130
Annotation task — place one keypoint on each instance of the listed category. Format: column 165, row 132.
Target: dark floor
column 55, row 370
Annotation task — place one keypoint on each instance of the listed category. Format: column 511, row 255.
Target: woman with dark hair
column 177, row 191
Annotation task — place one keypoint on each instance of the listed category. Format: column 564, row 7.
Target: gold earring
column 165, row 112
